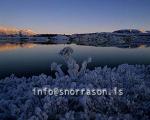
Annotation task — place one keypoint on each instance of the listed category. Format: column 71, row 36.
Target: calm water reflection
column 31, row 59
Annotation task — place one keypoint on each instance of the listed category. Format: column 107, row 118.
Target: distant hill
column 147, row 31
column 128, row 31
column 15, row 31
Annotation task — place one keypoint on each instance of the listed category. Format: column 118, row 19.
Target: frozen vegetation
column 18, row 102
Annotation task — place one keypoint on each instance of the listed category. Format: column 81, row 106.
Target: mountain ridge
column 14, row 31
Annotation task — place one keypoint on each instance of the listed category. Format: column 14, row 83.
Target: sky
column 75, row 16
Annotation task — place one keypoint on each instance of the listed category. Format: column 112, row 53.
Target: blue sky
column 75, row 16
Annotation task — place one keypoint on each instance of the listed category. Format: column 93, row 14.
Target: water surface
column 34, row 59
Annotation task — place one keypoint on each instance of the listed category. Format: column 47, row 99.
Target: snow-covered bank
column 47, row 39
column 18, row 102
column 111, row 39
column 125, row 37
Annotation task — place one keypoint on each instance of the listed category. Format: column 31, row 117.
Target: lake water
column 34, row 59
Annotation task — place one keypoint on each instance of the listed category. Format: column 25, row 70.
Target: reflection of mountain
column 14, row 31
column 8, row 46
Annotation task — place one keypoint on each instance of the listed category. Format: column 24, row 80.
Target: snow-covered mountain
column 15, row 31
column 122, row 37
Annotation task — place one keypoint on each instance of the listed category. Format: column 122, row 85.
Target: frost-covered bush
column 18, row 102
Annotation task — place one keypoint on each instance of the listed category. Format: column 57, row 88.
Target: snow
column 125, row 37
column 60, row 39
column 118, row 38
column 18, row 102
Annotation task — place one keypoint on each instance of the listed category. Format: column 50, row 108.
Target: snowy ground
column 18, row 102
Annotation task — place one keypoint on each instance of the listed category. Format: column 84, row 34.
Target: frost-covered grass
column 18, row 102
